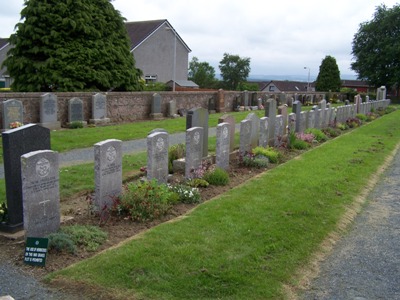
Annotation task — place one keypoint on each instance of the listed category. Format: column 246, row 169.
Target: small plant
column 186, row 193
column 253, row 161
column 353, row 122
column 60, row 241
column 299, row 144
column 390, row 109
column 88, row 237
column 145, row 201
column 342, row 126
column 202, row 170
column 175, row 152
column 75, row 125
column 3, row 213
column 318, row 134
column 217, row 176
column 273, row 155
column 15, row 125
column 331, row 132
column 371, row 116
column 197, row 182
column 361, row 117
column 307, row 137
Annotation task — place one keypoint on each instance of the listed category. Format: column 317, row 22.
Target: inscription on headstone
column 157, row 156
column 48, row 111
column 40, row 192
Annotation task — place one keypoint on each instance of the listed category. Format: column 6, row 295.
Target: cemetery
column 33, row 181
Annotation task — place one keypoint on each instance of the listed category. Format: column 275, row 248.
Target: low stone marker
column 48, row 112
column 223, row 146
column 157, row 156
column 13, row 114
column 99, row 109
column 107, row 172
column 194, row 151
column 40, row 193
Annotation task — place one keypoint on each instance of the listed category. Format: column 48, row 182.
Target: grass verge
column 247, row 243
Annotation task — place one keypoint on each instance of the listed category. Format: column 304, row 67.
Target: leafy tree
column 329, row 75
column 234, row 70
column 201, row 73
column 376, row 48
column 71, row 45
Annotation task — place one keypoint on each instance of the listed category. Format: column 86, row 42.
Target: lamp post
column 308, row 80
column 174, row 66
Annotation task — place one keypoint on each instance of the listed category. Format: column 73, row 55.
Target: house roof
column 355, row 83
column 139, row 31
column 289, row 86
column 183, row 83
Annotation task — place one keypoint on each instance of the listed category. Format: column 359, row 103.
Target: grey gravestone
column 270, row 112
column 317, row 117
column 198, row 117
column 245, row 137
column 291, row 123
column 297, row 110
column 246, row 99
column 310, row 119
column 211, row 106
column 303, row 121
column 357, row 102
column 322, row 107
column 12, row 112
column 172, row 109
column 107, row 172
column 157, row 156
column 194, row 150
column 255, row 129
column 48, row 111
column 231, row 121
column 381, row 93
column 264, row 132
column 99, row 109
column 278, row 132
column 75, row 110
column 283, row 111
column 17, row 142
column 222, row 146
column 156, row 107
column 40, row 192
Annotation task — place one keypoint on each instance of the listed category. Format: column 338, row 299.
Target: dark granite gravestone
column 198, row 117
column 17, row 142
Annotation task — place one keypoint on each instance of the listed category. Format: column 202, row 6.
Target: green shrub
column 342, row 126
column 186, row 193
column 254, row 161
column 390, row 109
column 299, row 144
column 361, row 117
column 318, row 134
column 145, row 201
column 353, row 122
column 86, row 236
column 331, row 132
column 217, row 176
column 197, row 182
column 75, row 125
column 175, row 152
column 61, row 241
column 273, row 155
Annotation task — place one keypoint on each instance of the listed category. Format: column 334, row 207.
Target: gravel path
column 365, row 264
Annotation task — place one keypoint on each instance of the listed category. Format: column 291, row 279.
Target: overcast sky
column 280, row 37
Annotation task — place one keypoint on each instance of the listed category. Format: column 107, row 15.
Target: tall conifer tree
column 71, row 45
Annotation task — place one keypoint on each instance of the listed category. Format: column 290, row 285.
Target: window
column 150, row 78
column 271, row 88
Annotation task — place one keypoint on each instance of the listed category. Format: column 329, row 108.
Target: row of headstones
column 13, row 111
column 348, row 111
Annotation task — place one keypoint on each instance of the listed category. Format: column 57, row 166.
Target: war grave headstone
column 75, row 111
column 283, row 111
column 303, row 121
column 231, row 121
column 49, row 111
column 17, row 142
column 40, row 193
column 278, row 134
column 317, row 117
column 222, row 146
column 246, row 99
column 245, row 137
column 157, row 156
column 357, row 102
column 99, row 109
column 310, row 119
column 198, row 117
column 282, row 99
column 194, row 150
column 107, row 172
column 381, row 93
column 264, row 132
column 211, row 106
column 13, row 114
column 255, row 129
column 291, row 123
column 156, row 107
column 296, row 108
column 322, row 107
column 270, row 112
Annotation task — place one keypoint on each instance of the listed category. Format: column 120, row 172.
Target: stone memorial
column 49, row 112
column 296, row 108
column 99, row 110
column 381, row 93
column 157, row 156
column 40, row 193
column 246, row 99
column 322, row 107
column 17, row 142
column 317, row 117
column 107, row 173
column 291, row 123
column 75, row 111
column 270, row 112
column 198, row 117
column 283, row 111
column 231, row 121
column 211, row 106
column 278, row 132
column 156, row 107
column 310, row 119
column 172, row 113
column 13, row 115
column 264, row 132
column 194, row 151
column 223, row 146
column 303, row 121
column 255, row 129
column 245, row 137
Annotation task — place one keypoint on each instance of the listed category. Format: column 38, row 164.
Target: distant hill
column 293, row 77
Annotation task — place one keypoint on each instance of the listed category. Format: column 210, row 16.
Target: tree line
column 83, row 45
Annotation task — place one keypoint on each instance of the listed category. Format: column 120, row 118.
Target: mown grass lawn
column 247, row 243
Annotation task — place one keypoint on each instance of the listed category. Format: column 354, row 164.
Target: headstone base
column 11, row 228
column 84, row 123
column 99, row 121
column 51, row 125
column 174, row 116
column 156, row 116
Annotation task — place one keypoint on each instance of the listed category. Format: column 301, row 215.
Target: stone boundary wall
column 133, row 106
